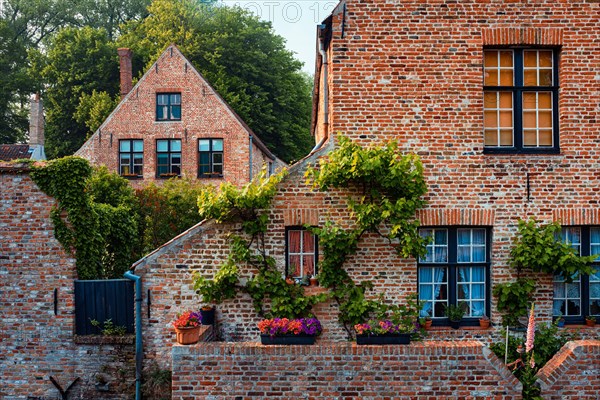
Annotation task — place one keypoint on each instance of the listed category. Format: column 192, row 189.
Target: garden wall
column 448, row 370
column 37, row 342
column 573, row 373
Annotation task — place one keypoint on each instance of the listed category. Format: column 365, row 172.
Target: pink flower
column 530, row 331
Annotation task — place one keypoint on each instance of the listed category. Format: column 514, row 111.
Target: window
column 131, row 158
column 301, row 252
column 168, row 158
column 455, row 271
column 210, row 158
column 581, row 297
column 520, row 97
column 168, row 106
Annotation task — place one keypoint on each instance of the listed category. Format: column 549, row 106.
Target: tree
column 78, row 61
column 14, row 87
column 94, row 108
column 242, row 58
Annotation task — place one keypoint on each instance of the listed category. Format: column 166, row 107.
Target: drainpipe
column 325, row 81
column 138, row 333
column 250, row 136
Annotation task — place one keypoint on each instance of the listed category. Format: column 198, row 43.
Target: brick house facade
column 173, row 123
column 419, row 73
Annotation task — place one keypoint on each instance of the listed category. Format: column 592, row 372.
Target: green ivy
column 537, row 248
column 271, row 295
column 390, row 188
column 93, row 219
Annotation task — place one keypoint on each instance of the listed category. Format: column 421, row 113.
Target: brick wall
column 573, row 373
column 34, row 342
column 204, row 114
column 465, row 370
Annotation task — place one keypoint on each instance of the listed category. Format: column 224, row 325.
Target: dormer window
column 168, row 106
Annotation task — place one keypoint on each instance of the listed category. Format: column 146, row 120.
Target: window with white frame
column 301, row 252
column 580, row 297
column 455, row 271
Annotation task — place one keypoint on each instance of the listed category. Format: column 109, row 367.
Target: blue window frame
column 131, row 158
column 210, row 158
column 455, row 270
column 520, row 97
column 168, row 158
column 168, row 106
column 581, row 297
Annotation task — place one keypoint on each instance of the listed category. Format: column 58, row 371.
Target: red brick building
column 173, row 123
column 501, row 102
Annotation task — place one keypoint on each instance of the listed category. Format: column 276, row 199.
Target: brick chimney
column 36, row 129
column 126, row 73
column 36, row 121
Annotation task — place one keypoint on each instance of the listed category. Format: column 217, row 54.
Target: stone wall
column 573, row 373
column 36, row 343
column 448, row 370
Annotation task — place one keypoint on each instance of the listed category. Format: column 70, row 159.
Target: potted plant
column 484, row 322
column 590, row 320
column 289, row 331
column 383, row 332
column 207, row 313
column 426, row 322
column 314, row 281
column 455, row 315
column 187, row 327
column 560, row 321
column 289, row 280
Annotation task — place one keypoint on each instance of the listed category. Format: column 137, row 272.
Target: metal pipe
column 138, row 333
column 325, row 80
column 250, row 136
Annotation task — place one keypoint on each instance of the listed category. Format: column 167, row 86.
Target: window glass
column 162, row 145
column 125, row 145
column 218, row 145
column 176, row 145
column 204, row 145
column 433, row 291
column 138, row 145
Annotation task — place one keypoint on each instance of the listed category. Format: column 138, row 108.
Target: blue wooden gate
column 102, row 300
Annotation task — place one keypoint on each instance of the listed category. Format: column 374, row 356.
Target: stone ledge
column 99, row 339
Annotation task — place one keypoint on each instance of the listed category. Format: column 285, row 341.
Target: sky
column 295, row 20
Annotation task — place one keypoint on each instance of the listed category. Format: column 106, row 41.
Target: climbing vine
column 248, row 207
column 93, row 219
column 388, row 189
column 537, row 249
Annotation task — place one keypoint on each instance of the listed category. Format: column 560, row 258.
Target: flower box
column 389, row 338
column 288, row 339
column 188, row 335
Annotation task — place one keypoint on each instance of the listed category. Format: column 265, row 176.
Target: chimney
column 126, row 74
column 36, row 129
column 36, row 121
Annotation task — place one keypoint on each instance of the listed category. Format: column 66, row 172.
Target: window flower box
column 388, row 338
column 289, row 331
column 287, row 339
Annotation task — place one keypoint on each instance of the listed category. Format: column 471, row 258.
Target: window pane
column 441, row 237
column 294, row 265
column 176, row 112
column 162, row 159
column 308, row 242
column 294, row 238
column 176, row 169
column 125, row 145
column 163, row 169
column 218, row 145
column 545, row 119
column 529, row 119
column 506, row 138
column 506, row 59
column 506, row 100
column 530, row 77
column 545, row 77
column 218, row 169
column 506, row 77
column 217, row 158
column 506, row 119
column 490, row 99
column 175, row 99
column 545, row 58
column 162, row 99
column 138, row 159
column 529, row 101
column 162, row 145
column 490, row 58
column 176, row 145
column 464, row 236
column 491, row 138
column 491, row 77
column 203, row 145
column 478, row 236
column 138, row 145
column 490, row 119
column 308, row 264
column 530, row 58
column 529, row 138
column 441, row 255
column 544, row 100
column 464, row 254
column 176, row 158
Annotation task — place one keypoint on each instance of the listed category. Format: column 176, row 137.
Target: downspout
column 250, row 151
column 325, row 81
column 138, row 333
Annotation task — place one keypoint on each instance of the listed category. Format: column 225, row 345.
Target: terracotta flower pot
column 428, row 323
column 484, row 323
column 590, row 322
column 314, row 281
column 188, row 335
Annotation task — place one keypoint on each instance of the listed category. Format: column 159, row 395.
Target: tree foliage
column 93, row 220
column 94, row 108
column 78, row 61
column 242, row 58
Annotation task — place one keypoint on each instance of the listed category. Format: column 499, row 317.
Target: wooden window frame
column 131, row 154
column 517, row 90
column 288, row 229
column 211, row 153
column 169, row 107
column 170, row 164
